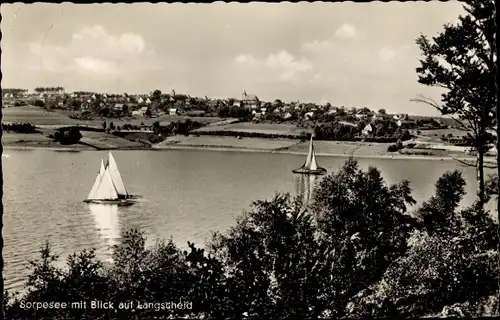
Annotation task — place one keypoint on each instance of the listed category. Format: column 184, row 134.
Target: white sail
column 116, row 177
column 106, row 189
column 309, row 158
column 314, row 164
column 97, row 181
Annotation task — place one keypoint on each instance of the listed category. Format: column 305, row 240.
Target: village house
column 256, row 115
column 367, row 130
column 287, row 116
column 250, row 101
column 173, row 111
column 213, row 103
column 309, row 115
column 118, row 107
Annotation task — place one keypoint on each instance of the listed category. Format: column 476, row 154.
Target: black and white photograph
column 288, row 160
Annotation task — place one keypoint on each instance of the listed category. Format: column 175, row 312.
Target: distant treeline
column 14, row 91
column 381, row 131
column 19, row 128
column 302, row 136
column 48, row 89
column 179, row 127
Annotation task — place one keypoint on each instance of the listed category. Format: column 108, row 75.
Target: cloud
column 245, row 59
column 93, row 65
column 386, row 53
column 282, row 65
column 92, row 51
column 288, row 65
column 346, row 31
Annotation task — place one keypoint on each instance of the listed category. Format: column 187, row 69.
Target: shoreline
column 395, row 156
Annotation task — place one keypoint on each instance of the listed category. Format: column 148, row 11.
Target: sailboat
column 108, row 186
column 311, row 165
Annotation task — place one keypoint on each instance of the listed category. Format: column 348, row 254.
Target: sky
column 350, row 54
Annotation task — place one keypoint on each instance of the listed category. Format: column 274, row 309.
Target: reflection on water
column 107, row 223
column 305, row 184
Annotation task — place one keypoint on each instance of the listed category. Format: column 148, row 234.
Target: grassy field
column 36, row 116
column 36, row 141
column 266, row 128
column 226, row 142
column 439, row 132
column 39, row 116
column 107, row 141
column 344, row 148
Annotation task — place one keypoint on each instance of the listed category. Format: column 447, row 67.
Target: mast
column 116, row 177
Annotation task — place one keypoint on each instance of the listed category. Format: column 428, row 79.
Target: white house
column 309, row 115
column 250, row 101
column 118, row 107
column 257, row 115
column 173, row 111
column 137, row 113
column 140, row 100
column 367, row 130
column 148, row 101
column 288, row 115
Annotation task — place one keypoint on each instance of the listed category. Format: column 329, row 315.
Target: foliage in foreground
column 358, row 250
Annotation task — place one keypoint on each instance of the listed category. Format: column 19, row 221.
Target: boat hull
column 318, row 171
column 120, row 202
column 134, row 196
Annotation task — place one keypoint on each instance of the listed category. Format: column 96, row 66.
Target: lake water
column 187, row 194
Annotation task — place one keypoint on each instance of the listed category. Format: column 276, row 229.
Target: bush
column 67, row 136
column 393, row 148
column 19, row 128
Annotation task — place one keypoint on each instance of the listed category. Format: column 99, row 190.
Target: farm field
column 39, row 116
column 342, row 148
column 226, row 142
column 266, row 128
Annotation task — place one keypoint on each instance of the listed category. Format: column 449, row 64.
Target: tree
column 461, row 60
column 125, row 109
column 156, row 96
column 361, row 238
column 68, row 136
column 382, row 111
column 450, row 265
